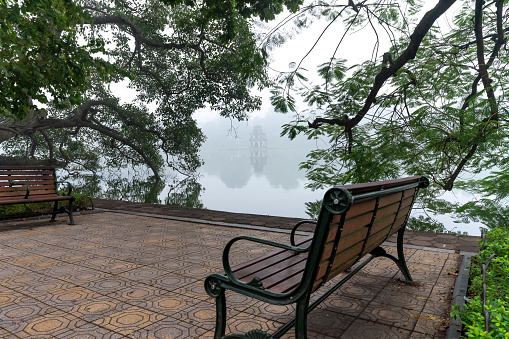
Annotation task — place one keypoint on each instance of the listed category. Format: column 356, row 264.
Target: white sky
column 355, row 48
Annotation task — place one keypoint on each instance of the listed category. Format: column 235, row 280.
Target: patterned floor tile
column 22, row 311
column 83, row 275
column 43, row 288
column 171, row 265
column 203, row 314
column 340, row 303
column 395, row 316
column 169, row 303
column 362, row 329
column 432, row 324
column 50, row 325
column 268, row 311
column 109, row 265
column 91, row 331
column 129, row 320
column 137, row 294
column 120, row 276
column 10, row 297
column 96, row 308
column 67, row 298
column 22, row 280
column 110, row 284
column 197, row 271
column 195, row 290
column 143, row 273
column 169, row 328
column 171, row 281
column 7, row 270
column 6, row 334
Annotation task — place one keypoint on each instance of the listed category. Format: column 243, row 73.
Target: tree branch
column 408, row 54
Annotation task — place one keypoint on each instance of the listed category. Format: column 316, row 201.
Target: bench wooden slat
column 18, row 194
column 27, row 172
column 32, row 184
column 275, row 268
column 12, row 189
column 339, row 258
column 280, row 282
column 21, row 190
column 34, row 200
column 288, row 284
column 29, row 179
column 269, row 258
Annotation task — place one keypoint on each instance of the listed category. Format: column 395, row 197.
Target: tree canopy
column 62, row 59
column 433, row 103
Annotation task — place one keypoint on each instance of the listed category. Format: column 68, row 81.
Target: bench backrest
column 355, row 219
column 39, row 179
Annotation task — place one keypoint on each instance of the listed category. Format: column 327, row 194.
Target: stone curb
column 459, row 294
column 206, row 222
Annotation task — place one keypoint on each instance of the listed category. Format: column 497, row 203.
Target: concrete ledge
column 207, row 222
column 458, row 296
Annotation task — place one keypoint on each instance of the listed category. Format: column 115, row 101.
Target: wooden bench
column 354, row 220
column 33, row 184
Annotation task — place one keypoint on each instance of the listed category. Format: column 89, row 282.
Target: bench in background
column 33, row 184
column 354, row 221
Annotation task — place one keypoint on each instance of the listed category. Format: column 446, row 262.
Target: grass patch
column 496, row 247
column 81, row 203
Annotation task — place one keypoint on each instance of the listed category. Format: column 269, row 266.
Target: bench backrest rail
column 354, row 221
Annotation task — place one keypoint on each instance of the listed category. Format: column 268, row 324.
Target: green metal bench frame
column 336, row 204
column 34, row 184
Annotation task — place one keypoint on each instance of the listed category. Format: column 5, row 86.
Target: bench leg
column 400, row 260
column 401, row 256
column 214, row 289
column 69, row 212
column 301, row 318
column 55, row 211
column 220, row 315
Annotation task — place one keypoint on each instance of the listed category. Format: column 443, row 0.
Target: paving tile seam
column 9, row 332
column 358, row 316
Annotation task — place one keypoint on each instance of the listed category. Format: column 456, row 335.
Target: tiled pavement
column 453, row 242
column 117, row 275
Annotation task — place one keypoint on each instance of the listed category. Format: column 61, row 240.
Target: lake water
column 240, row 175
column 249, row 175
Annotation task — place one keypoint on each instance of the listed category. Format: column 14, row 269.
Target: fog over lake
column 239, row 176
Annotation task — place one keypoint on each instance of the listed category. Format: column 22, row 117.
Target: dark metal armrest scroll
column 69, row 187
column 12, row 182
column 294, row 229
column 255, row 284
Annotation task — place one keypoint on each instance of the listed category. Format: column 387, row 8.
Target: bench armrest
column 12, row 182
column 226, row 255
column 69, row 187
column 294, row 229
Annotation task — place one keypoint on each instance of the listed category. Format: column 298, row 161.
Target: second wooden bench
column 33, row 184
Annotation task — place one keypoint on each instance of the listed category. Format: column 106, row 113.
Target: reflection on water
column 138, row 187
column 252, row 170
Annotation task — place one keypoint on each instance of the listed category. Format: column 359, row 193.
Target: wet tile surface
column 117, row 275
